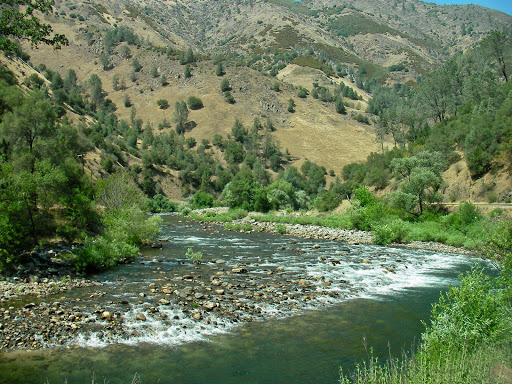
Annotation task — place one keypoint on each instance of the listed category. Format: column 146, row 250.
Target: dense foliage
column 44, row 189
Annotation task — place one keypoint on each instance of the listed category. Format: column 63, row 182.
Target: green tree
column 421, row 181
column 219, row 71
column 163, row 104
column 17, row 20
column 498, row 46
column 180, row 116
column 163, row 80
column 291, row 106
column 96, row 89
column 224, row 85
column 188, row 57
column 154, row 71
column 229, row 97
column 137, row 66
column 303, row 93
column 340, row 107
column 29, row 121
column 194, row 103
column 187, row 73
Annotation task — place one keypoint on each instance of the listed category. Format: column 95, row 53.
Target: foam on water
column 333, row 271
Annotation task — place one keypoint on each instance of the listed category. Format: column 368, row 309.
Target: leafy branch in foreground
column 24, row 25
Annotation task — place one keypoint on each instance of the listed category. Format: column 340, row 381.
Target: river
column 299, row 310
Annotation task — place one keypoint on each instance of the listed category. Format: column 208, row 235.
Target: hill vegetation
column 82, row 163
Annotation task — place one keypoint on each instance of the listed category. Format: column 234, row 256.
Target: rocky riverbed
column 210, row 294
column 175, row 297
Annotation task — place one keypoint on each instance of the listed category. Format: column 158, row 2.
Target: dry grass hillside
column 315, row 131
column 253, row 37
column 366, row 33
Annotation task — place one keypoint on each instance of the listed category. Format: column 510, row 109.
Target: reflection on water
column 307, row 346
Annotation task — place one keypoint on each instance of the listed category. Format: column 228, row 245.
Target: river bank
column 307, row 231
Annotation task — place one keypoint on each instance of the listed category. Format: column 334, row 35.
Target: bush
column 163, row 104
column 361, row 118
column 194, row 103
column 196, row 257
column 100, row 253
column 131, row 225
column 303, row 93
column 281, row 229
column 229, row 97
column 160, row 203
column 476, row 312
column 394, row 231
column 224, row 85
column 202, row 200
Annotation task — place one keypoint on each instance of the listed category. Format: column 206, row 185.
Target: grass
column 231, row 215
column 454, row 366
column 306, row 61
column 239, row 227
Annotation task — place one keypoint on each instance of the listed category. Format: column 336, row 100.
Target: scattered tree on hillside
column 224, row 85
column 219, row 71
column 498, row 46
column 180, row 116
column 187, row 57
column 187, row 73
column 154, row 71
column 163, row 104
column 340, row 107
column 137, row 66
column 291, row 105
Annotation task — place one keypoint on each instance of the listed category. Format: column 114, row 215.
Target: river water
column 364, row 297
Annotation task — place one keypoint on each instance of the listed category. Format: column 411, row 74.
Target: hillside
column 375, row 35
column 312, row 44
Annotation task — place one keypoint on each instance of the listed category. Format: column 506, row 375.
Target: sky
column 500, row 5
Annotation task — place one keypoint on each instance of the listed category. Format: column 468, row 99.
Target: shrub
column 196, row 257
column 303, row 93
column 475, row 312
column 229, row 97
column 163, row 104
column 224, row 85
column 194, row 103
column 394, row 231
column 160, row 203
column 202, row 200
column 361, row 118
column 281, row 229
column 100, row 253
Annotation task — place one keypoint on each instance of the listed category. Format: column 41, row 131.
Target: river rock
column 106, row 315
column 208, row 306
column 164, row 302
column 220, row 261
column 141, row 317
column 239, row 270
column 219, row 291
column 197, row 315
